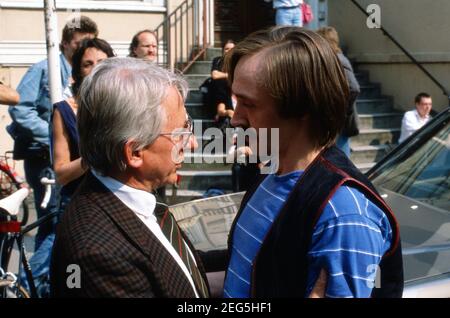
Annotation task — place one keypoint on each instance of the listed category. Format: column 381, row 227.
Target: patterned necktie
column 171, row 230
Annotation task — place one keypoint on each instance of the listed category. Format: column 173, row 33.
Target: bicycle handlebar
column 48, row 191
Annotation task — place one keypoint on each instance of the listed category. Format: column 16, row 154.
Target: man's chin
column 173, row 178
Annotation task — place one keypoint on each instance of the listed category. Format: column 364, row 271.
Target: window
column 422, row 172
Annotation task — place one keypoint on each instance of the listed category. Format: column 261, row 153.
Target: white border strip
column 90, row 5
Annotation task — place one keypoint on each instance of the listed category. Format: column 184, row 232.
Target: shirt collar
column 140, row 201
column 420, row 117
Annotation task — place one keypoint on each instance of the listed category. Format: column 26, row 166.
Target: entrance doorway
column 235, row 19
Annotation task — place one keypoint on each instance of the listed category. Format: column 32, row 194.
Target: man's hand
column 320, row 286
column 8, row 96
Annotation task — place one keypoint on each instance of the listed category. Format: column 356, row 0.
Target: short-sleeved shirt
column 348, row 241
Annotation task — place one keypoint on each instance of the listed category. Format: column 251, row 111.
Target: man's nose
column 193, row 144
column 238, row 119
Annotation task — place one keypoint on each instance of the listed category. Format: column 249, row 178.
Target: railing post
column 169, row 44
column 175, row 25
column 211, row 23
column 407, row 53
column 205, row 24
column 196, row 22
column 187, row 32
column 51, row 35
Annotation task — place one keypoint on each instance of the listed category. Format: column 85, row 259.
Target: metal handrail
column 406, row 52
column 185, row 34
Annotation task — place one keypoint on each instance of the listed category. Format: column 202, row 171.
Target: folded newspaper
column 207, row 222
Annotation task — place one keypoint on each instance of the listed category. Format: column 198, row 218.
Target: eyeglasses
column 182, row 136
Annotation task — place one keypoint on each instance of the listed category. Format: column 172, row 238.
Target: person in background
column 288, row 12
column 351, row 121
column 66, row 156
column 144, row 45
column 243, row 172
column 8, row 96
column 415, row 119
column 31, row 117
column 221, row 91
column 315, row 226
column 133, row 129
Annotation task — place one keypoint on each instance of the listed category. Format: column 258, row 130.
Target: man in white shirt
column 133, row 128
column 415, row 119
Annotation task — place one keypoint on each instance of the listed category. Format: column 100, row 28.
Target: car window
column 422, row 172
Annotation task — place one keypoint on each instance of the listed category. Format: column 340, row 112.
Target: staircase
column 379, row 131
column 379, row 124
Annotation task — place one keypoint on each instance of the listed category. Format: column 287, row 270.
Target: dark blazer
column 117, row 255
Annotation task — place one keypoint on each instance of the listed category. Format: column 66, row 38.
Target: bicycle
column 11, row 181
column 12, row 232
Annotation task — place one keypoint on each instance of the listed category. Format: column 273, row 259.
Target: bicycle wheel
column 8, row 185
column 16, row 291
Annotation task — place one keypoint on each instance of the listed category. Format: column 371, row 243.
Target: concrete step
column 380, row 120
column 194, row 96
column 205, row 162
column 175, row 196
column 373, row 137
column 204, row 123
column 211, row 53
column 374, row 105
column 198, row 180
column 200, row 67
column 368, row 154
column 195, row 80
column 362, row 77
column 198, row 111
column 368, row 91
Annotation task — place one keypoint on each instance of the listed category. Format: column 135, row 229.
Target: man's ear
column 64, row 45
column 133, row 158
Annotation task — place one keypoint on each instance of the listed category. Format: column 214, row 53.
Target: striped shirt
column 348, row 241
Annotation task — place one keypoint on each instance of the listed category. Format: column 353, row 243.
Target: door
column 235, row 19
column 320, row 11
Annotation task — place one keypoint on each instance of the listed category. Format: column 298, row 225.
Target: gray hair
column 121, row 101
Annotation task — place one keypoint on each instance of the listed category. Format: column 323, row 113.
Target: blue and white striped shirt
column 349, row 239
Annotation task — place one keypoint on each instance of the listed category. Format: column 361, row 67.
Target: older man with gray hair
column 114, row 239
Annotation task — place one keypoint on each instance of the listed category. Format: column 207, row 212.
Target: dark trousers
column 34, row 169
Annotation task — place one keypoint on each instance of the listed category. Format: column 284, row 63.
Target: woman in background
column 351, row 121
column 221, row 91
column 67, row 163
column 66, row 159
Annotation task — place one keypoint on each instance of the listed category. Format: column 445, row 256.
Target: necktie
column 171, row 230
